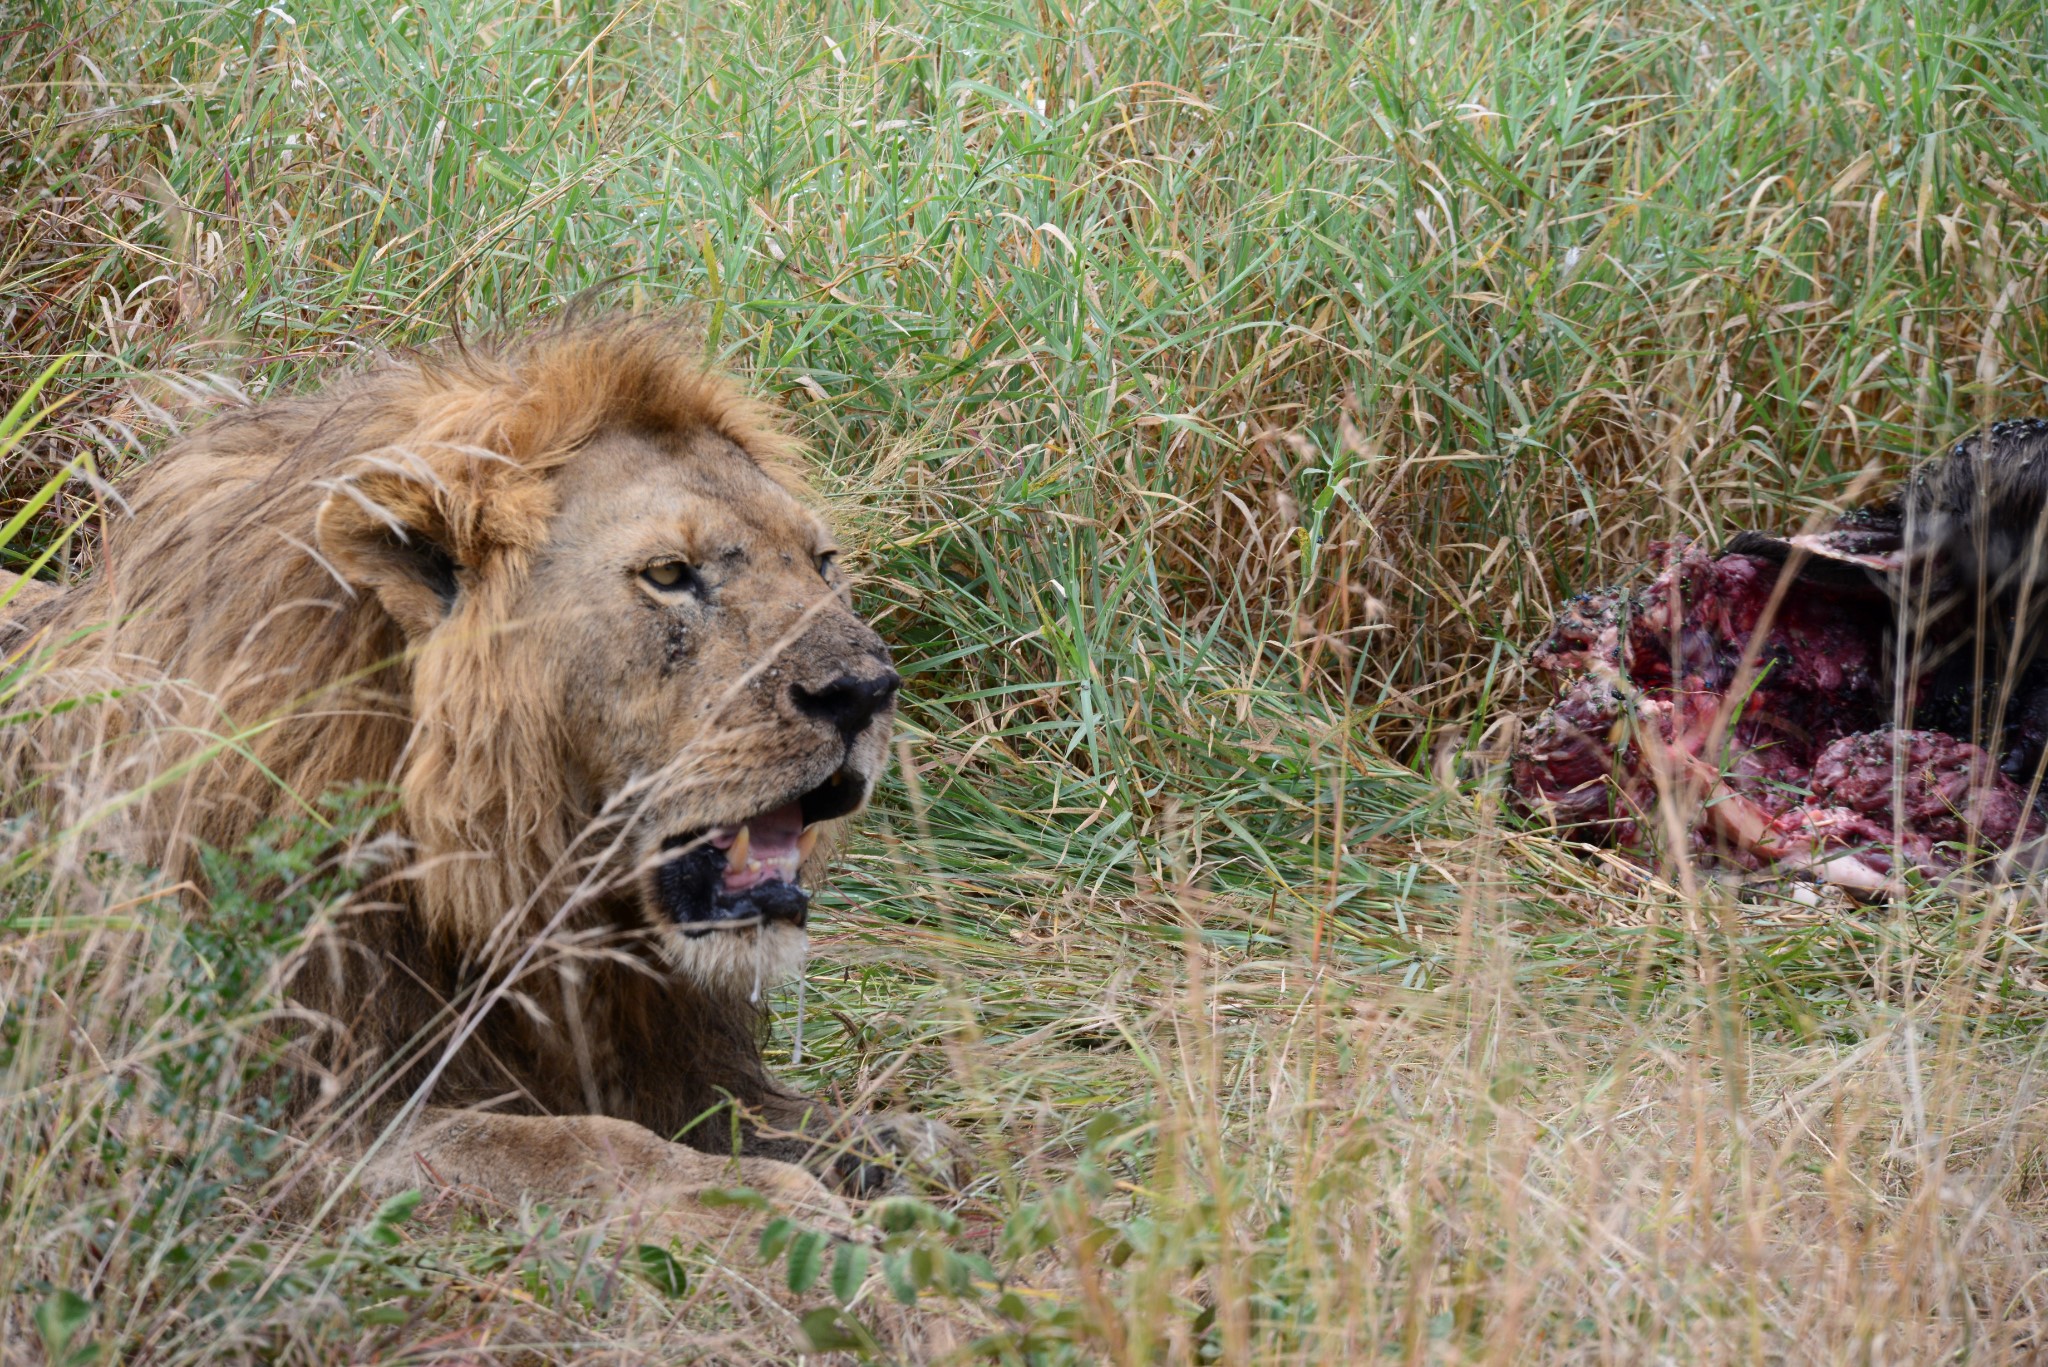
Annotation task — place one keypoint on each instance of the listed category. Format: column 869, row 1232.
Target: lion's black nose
column 849, row 702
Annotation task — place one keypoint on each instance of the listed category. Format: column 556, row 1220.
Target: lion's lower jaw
column 748, row 960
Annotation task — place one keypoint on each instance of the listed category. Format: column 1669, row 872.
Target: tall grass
column 1217, row 397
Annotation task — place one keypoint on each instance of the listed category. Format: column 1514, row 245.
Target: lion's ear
column 403, row 539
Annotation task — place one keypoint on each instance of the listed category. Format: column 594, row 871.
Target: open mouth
column 745, row 874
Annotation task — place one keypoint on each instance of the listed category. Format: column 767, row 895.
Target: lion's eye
column 827, row 562
column 670, row 576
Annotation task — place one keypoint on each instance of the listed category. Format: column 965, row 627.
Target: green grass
column 1216, row 398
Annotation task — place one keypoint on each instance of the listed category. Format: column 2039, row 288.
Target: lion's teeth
column 736, row 857
column 805, row 843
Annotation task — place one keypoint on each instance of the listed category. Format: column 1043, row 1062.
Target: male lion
column 563, row 595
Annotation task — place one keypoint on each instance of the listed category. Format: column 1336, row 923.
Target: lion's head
column 567, row 594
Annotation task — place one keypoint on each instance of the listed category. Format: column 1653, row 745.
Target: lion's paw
column 793, row 1190
column 707, row 1209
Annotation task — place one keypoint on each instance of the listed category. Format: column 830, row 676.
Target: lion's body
column 419, row 578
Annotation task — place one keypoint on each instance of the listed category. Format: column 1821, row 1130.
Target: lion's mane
column 236, row 675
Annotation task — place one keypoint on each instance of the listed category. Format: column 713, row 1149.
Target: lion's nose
column 850, row 701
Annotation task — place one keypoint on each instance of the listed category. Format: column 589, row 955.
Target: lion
column 563, row 595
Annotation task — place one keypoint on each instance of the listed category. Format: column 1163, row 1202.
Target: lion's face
column 639, row 667
column 713, row 681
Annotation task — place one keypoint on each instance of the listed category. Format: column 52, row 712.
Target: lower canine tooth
column 736, row 857
column 805, row 843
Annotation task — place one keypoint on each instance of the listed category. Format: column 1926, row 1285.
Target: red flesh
column 1769, row 748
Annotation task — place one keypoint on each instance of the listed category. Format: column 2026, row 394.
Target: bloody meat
column 1852, row 705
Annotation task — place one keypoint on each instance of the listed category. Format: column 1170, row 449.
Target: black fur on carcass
column 1851, row 704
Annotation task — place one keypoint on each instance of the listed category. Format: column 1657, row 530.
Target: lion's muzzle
column 745, row 873
column 693, row 893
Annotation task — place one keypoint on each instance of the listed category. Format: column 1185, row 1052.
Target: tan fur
column 271, row 608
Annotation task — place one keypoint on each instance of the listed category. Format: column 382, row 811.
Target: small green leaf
column 896, row 1272
column 806, row 1260
column 775, row 1237
column 901, row 1214
column 659, row 1269
column 398, row 1209
column 745, row 1197
column 849, row 1270
column 831, row 1330
column 58, row 1320
column 957, row 1271
column 897, row 1214
column 1028, row 1230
